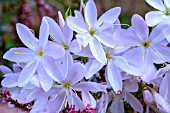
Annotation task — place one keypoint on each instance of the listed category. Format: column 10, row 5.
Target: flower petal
column 140, row 27
column 43, row 33
column 61, row 20
column 76, row 24
column 87, row 98
column 55, row 51
column 54, row 30
column 19, row 54
column 134, row 103
column 84, row 39
column 5, row 69
column 154, row 17
column 26, row 36
column 68, row 33
column 75, row 73
column 90, row 12
column 110, row 16
column 93, row 66
column 27, row 72
column 157, row 4
column 75, row 46
column 97, row 51
column 90, row 86
column 114, row 77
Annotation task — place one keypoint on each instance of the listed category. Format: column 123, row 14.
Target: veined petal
column 93, row 66
column 85, row 52
column 75, row 73
column 26, row 36
column 97, row 51
column 19, row 54
column 114, row 77
column 76, row 24
column 68, row 33
column 27, row 72
column 75, row 46
column 110, row 16
column 90, row 13
column 157, row 4
column 89, row 86
column 55, row 51
column 106, row 39
column 140, row 27
column 134, row 103
column 154, row 17
column 45, row 80
column 43, row 33
column 54, row 30
column 5, row 69
column 117, row 106
column 123, row 64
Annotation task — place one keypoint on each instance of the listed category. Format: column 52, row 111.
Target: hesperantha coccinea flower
column 86, row 64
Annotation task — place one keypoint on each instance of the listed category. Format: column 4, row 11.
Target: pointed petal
column 90, row 86
column 54, row 30
column 19, row 54
column 55, row 51
column 102, row 104
column 75, row 73
column 5, row 69
column 140, row 27
column 75, row 46
column 76, row 24
column 164, row 87
column 90, row 13
column 123, row 64
column 167, row 3
column 106, row 39
column 87, row 98
column 27, row 72
column 85, row 52
column 61, row 20
column 134, row 103
column 130, row 85
column 43, row 33
column 154, row 17
column 39, row 104
column 157, row 4
column 117, row 106
column 45, row 80
column 114, row 77
column 147, row 97
column 93, row 66
column 26, row 36
column 68, row 33
column 110, row 16
column 97, row 51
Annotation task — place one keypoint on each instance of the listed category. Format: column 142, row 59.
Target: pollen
column 19, row 53
column 92, row 32
column 67, row 85
column 66, row 47
column 146, row 44
column 108, row 56
column 40, row 53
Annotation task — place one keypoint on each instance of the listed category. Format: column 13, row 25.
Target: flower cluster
column 50, row 71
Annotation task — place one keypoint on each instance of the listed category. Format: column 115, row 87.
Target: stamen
column 31, row 43
column 19, row 53
column 101, row 24
column 108, row 56
column 92, row 32
column 66, row 47
column 29, row 64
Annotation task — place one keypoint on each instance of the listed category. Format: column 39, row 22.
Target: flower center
column 167, row 13
column 40, row 53
column 92, row 32
column 67, row 85
column 146, row 44
column 66, row 47
column 108, row 56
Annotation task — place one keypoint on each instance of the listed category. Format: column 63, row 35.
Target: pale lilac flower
column 155, row 17
column 117, row 104
column 147, row 49
column 92, row 31
column 35, row 53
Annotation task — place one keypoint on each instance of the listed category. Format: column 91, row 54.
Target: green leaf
column 68, row 13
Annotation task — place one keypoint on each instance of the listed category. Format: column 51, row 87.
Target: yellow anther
column 29, row 64
column 20, row 53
